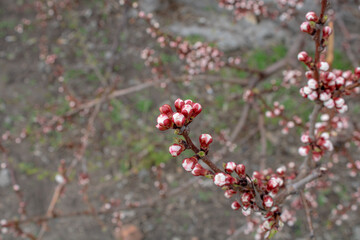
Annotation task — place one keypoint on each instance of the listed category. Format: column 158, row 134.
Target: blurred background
column 76, row 96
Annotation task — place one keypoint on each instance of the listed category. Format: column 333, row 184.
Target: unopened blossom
column 189, row 163
column 179, row 103
column 311, row 16
column 187, row 110
column 272, row 184
column 179, row 119
column 268, row 201
column 164, row 121
column 235, row 205
column 230, row 167
column 205, row 140
column 303, row 151
column 166, row 109
column 176, row 149
column 306, row 27
column 220, row 179
column 246, row 199
column 229, row 193
column 240, row 170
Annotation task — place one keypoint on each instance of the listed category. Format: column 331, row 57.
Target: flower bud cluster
column 152, row 61
column 329, row 88
column 288, row 8
column 309, row 26
column 354, row 168
column 248, row 95
column 241, row 7
column 337, row 123
column 185, row 113
column 318, row 147
column 255, row 194
column 341, row 212
column 289, row 124
column 291, row 78
column 276, row 111
column 199, row 57
column 356, row 138
column 268, row 183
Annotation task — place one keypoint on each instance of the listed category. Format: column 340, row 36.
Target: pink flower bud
column 240, row 170
column 304, row 151
column 281, row 170
column 176, row 149
column 187, row 110
column 313, row 96
column 307, row 90
column 188, row 101
column 330, row 77
column 323, row 66
column 339, row 102
column 161, row 128
column 324, row 96
column 189, row 163
column 347, row 74
column 340, row 81
column 316, row 156
column 246, row 211
column 246, row 199
column 179, row 119
column 164, row 120
column 272, row 184
column 325, row 135
column 229, row 193
column 220, row 179
column 306, row 27
column 199, row 170
column 205, row 140
column 197, row 109
column 179, row 103
column 257, row 175
column 267, row 225
column 230, row 167
column 268, row 201
column 327, row 31
column 302, row 93
column 165, row 109
column 311, row 16
column 305, row 138
column 343, row 109
column 303, row 56
column 328, row 145
column 357, row 71
column 329, row 103
column 309, row 74
column 235, row 205
column 312, row 83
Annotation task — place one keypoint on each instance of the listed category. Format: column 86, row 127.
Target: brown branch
column 294, row 187
column 308, row 215
column 196, row 150
column 261, row 126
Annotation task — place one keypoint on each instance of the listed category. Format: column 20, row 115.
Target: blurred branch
column 308, row 215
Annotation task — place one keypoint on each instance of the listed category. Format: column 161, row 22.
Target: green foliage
column 195, row 38
column 341, row 61
column 204, row 196
column 144, row 105
column 260, row 58
column 168, row 58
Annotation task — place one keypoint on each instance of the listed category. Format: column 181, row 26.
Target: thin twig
column 308, row 215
